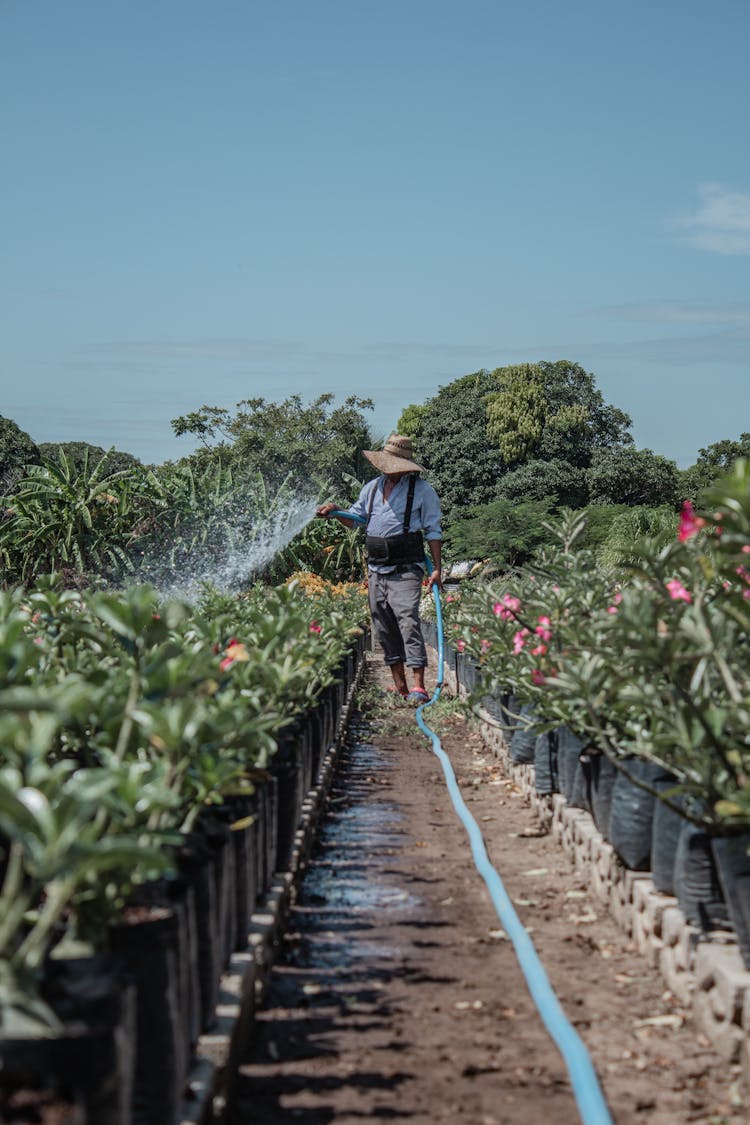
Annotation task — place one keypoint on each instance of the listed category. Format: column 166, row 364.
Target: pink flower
column 537, row 677
column 611, row 609
column 540, row 650
column 449, row 598
column 226, row 663
column 507, row 607
column 38, row 640
column 543, row 629
column 314, row 627
column 519, row 640
column 745, row 550
column 689, row 522
column 460, row 644
column 485, row 646
column 617, row 598
column 677, row 591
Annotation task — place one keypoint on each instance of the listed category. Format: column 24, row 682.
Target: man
column 399, row 507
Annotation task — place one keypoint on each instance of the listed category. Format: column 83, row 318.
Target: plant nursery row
column 154, row 759
column 629, row 691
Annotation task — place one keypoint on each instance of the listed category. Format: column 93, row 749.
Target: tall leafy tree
column 17, row 450
column 452, row 442
column 559, row 481
column 712, row 463
column 480, row 427
column 633, row 477
column 552, row 411
column 312, row 442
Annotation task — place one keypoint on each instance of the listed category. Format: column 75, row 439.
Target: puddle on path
column 346, row 888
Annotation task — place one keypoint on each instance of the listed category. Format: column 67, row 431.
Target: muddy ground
column 399, row 998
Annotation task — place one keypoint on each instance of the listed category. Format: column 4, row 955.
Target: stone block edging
column 704, row 971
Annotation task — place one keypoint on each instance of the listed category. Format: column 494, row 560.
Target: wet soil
column 398, row 996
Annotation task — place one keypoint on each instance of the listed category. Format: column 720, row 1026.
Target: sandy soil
column 399, row 997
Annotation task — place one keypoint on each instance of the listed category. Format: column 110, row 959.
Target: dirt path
column 399, row 998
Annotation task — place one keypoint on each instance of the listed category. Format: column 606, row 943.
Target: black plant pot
column 570, row 772
column 241, row 813
column 600, row 775
column 631, row 817
column 179, row 896
column 732, row 855
column 545, row 763
column 287, row 766
column 214, row 824
column 523, row 739
column 429, row 633
column 668, row 824
column 146, row 943
column 696, row 881
column 196, row 862
column 91, row 1063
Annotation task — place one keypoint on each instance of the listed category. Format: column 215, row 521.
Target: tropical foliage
column 120, row 718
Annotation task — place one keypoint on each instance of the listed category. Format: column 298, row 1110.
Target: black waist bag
column 395, row 550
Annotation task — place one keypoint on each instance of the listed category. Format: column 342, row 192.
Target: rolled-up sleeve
column 430, row 512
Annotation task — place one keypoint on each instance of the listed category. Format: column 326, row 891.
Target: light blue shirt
column 388, row 515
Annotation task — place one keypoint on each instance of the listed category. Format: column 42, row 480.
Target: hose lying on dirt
column 586, row 1089
column 583, row 1079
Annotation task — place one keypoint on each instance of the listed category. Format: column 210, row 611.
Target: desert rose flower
column 677, row 592
column 689, row 522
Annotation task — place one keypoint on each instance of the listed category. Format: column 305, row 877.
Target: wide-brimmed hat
column 395, row 456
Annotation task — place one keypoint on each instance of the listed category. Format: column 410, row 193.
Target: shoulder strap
column 409, row 501
column 372, row 501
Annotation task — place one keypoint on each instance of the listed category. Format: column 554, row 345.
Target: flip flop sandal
column 416, row 695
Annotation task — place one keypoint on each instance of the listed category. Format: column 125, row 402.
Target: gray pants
column 394, row 607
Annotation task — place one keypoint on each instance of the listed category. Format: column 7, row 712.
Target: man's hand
column 435, row 579
column 324, row 510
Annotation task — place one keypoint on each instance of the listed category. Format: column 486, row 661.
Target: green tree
column 633, row 476
column 410, row 422
column 17, row 450
column 559, row 481
column 552, row 411
column 77, row 452
column 516, row 414
column 311, row 443
column 484, row 425
column 712, row 463
column 505, row 532
column 463, row 463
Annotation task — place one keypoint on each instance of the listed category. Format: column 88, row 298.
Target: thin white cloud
column 721, row 222
column 679, row 312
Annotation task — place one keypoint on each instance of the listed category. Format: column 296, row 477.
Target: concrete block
column 677, row 956
column 648, row 908
column 603, row 864
column 722, row 986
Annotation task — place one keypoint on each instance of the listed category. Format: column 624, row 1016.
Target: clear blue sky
column 204, row 202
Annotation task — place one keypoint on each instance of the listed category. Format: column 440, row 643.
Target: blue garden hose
column 584, row 1081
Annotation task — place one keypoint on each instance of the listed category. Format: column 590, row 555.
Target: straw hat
column 395, row 456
